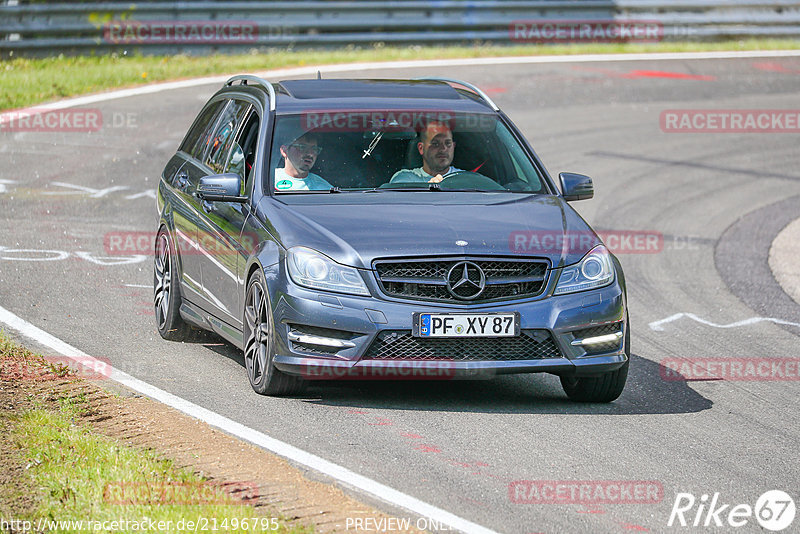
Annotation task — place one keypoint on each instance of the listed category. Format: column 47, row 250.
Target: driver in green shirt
column 436, row 146
column 300, row 156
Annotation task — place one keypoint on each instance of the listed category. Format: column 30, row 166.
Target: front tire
column 259, row 343
column 603, row 388
column 166, row 291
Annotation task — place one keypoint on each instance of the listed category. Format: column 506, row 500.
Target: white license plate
column 467, row 324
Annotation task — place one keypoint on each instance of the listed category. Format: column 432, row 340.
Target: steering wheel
column 470, row 180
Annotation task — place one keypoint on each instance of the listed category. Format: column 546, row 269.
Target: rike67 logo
column 774, row 511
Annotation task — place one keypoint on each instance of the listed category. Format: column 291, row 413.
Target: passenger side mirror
column 223, row 187
column 576, row 186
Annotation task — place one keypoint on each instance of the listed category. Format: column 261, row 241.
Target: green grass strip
column 83, row 477
column 80, row 476
column 26, row 82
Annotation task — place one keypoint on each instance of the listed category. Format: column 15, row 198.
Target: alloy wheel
column 163, row 280
column 259, row 339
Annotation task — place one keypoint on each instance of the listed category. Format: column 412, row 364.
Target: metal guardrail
column 47, row 29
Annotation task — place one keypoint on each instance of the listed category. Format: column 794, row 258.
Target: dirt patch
column 140, row 422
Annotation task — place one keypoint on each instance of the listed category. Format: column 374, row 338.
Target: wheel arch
column 166, row 222
column 267, row 257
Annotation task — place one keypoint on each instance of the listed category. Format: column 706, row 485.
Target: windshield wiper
column 434, row 187
column 416, row 189
column 474, row 190
column 334, row 189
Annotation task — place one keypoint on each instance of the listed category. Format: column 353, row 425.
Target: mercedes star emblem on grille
column 466, row 280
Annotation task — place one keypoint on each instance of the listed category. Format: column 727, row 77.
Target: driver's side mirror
column 576, row 186
column 224, row 187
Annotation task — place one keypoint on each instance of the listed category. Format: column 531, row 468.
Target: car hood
column 356, row 228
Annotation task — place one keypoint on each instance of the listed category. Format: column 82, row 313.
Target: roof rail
column 255, row 80
column 480, row 93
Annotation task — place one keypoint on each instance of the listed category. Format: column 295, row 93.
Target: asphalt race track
column 716, row 200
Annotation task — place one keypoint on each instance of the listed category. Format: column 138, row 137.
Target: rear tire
column 166, row 291
column 259, row 344
column 603, row 388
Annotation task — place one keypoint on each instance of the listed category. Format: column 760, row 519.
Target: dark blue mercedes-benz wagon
column 383, row 229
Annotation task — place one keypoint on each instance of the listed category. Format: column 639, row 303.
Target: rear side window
column 222, row 138
column 196, row 141
column 243, row 153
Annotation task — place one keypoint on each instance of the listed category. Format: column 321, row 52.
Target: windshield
column 333, row 151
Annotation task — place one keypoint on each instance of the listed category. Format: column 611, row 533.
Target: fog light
column 607, row 338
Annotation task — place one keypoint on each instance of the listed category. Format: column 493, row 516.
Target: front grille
column 427, row 279
column 401, row 345
column 601, row 330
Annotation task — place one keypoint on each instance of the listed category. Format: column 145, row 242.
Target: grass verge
column 18, row 363
column 81, row 481
column 26, row 82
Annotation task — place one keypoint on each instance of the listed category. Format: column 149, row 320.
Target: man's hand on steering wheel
column 439, row 177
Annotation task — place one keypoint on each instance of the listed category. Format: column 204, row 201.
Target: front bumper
column 361, row 319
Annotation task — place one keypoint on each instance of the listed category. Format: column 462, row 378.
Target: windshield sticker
column 284, row 184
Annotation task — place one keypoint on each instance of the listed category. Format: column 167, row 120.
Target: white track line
column 656, row 325
column 422, row 63
column 237, row 429
column 280, row 448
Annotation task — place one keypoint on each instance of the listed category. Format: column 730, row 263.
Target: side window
column 243, row 153
column 223, row 135
column 527, row 178
column 194, row 144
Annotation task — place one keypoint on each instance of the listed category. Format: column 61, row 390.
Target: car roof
column 296, row 96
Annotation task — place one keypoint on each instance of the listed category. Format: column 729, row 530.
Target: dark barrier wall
column 42, row 29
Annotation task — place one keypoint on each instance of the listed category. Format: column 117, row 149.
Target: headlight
column 311, row 269
column 594, row 270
